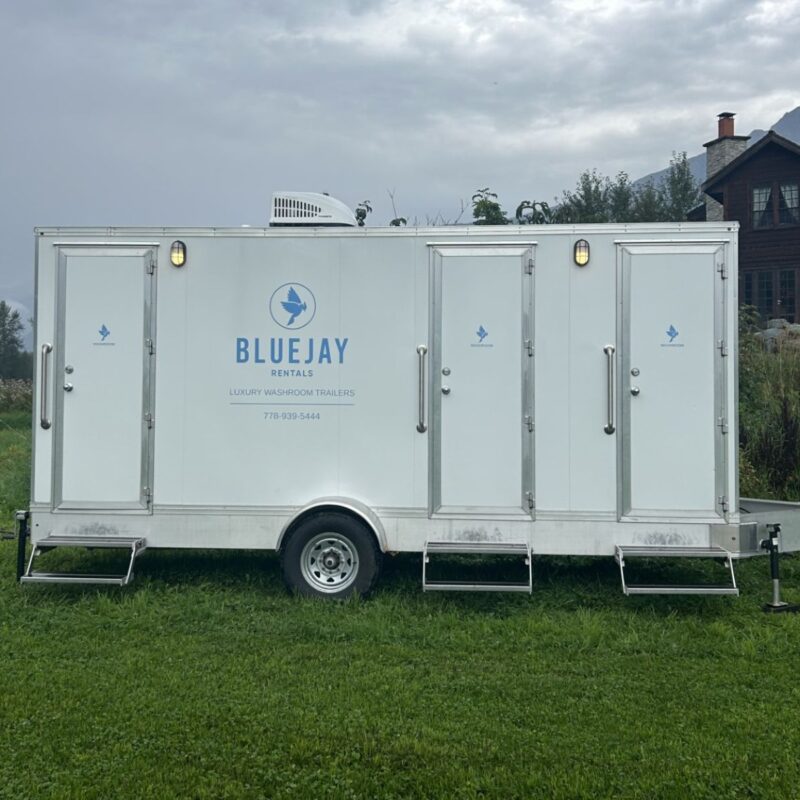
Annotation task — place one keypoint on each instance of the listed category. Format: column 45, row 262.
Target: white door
column 670, row 381
column 102, row 378
column 481, row 392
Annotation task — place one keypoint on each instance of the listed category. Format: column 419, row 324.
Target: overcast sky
column 136, row 112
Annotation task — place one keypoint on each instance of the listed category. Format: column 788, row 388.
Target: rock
column 771, row 339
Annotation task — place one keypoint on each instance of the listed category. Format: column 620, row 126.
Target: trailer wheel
column 331, row 555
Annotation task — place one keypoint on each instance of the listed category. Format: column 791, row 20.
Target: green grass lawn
column 204, row 679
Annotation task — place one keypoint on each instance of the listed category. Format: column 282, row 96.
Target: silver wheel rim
column 329, row 562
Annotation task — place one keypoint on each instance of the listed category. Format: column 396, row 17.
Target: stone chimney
column 719, row 153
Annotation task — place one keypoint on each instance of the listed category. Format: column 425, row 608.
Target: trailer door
column 102, row 380
column 482, row 397
column 671, row 381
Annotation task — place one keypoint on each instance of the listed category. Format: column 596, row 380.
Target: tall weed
column 769, row 417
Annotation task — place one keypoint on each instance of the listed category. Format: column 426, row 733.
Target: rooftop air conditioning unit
column 292, row 209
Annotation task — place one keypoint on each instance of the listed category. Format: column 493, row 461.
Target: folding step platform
column 135, row 545
column 519, row 549
column 621, row 553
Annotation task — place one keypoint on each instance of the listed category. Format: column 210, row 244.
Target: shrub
column 769, row 417
column 15, row 395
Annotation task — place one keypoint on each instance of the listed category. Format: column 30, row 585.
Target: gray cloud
column 192, row 113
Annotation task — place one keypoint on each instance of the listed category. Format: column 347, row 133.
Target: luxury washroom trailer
column 338, row 393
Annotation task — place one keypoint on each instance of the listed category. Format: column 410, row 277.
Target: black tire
column 331, row 555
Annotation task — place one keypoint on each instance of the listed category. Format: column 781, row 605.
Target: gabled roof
column 712, row 185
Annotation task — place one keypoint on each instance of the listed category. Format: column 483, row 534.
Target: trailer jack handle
column 777, row 606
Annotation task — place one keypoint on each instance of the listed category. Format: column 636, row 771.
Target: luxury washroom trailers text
column 340, row 392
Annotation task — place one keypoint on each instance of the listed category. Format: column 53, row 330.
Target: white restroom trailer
column 340, row 393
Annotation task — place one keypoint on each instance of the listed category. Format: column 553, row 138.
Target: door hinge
column 148, row 495
column 151, row 346
column 722, row 268
column 528, row 345
column 148, row 418
column 528, row 420
column 151, row 265
column 531, row 501
column 722, row 347
column 529, row 265
column 723, row 424
column 723, row 503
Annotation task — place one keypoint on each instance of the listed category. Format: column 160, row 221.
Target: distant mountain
column 788, row 126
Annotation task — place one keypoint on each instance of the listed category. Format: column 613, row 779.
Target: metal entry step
column 519, row 549
column 623, row 552
column 135, row 545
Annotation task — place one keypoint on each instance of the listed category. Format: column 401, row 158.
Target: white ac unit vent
column 309, row 208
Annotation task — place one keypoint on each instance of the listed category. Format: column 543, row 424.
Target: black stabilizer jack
column 777, row 606
column 22, row 540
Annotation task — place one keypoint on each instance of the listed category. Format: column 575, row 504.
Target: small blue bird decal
column 104, row 332
column 482, row 333
column 672, row 333
column 294, row 305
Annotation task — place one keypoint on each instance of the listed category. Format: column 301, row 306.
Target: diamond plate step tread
column 678, row 589
column 114, row 542
column 483, row 548
column 462, row 586
column 71, row 577
column 670, row 552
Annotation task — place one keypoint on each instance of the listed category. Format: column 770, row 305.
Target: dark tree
column 648, row 204
column 620, row 197
column 14, row 361
column 486, row 210
column 680, row 190
column 589, row 201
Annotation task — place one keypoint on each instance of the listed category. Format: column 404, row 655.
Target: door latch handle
column 445, row 390
column 635, row 390
column 609, row 350
column 421, row 351
column 44, row 420
column 68, row 387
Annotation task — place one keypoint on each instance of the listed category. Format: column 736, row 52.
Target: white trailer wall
column 234, row 459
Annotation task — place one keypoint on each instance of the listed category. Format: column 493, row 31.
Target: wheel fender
column 347, row 504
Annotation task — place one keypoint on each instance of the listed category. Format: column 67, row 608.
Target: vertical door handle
column 44, row 421
column 421, row 351
column 609, row 350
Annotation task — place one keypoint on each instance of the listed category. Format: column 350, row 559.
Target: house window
column 773, row 292
column 786, row 295
column 789, row 204
column 775, row 204
column 765, row 299
column 747, row 289
column 762, row 206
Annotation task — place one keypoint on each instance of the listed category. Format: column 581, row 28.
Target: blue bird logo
column 294, row 305
column 104, row 333
column 482, row 333
column 672, row 333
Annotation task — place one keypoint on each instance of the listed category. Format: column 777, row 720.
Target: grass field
column 204, row 679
